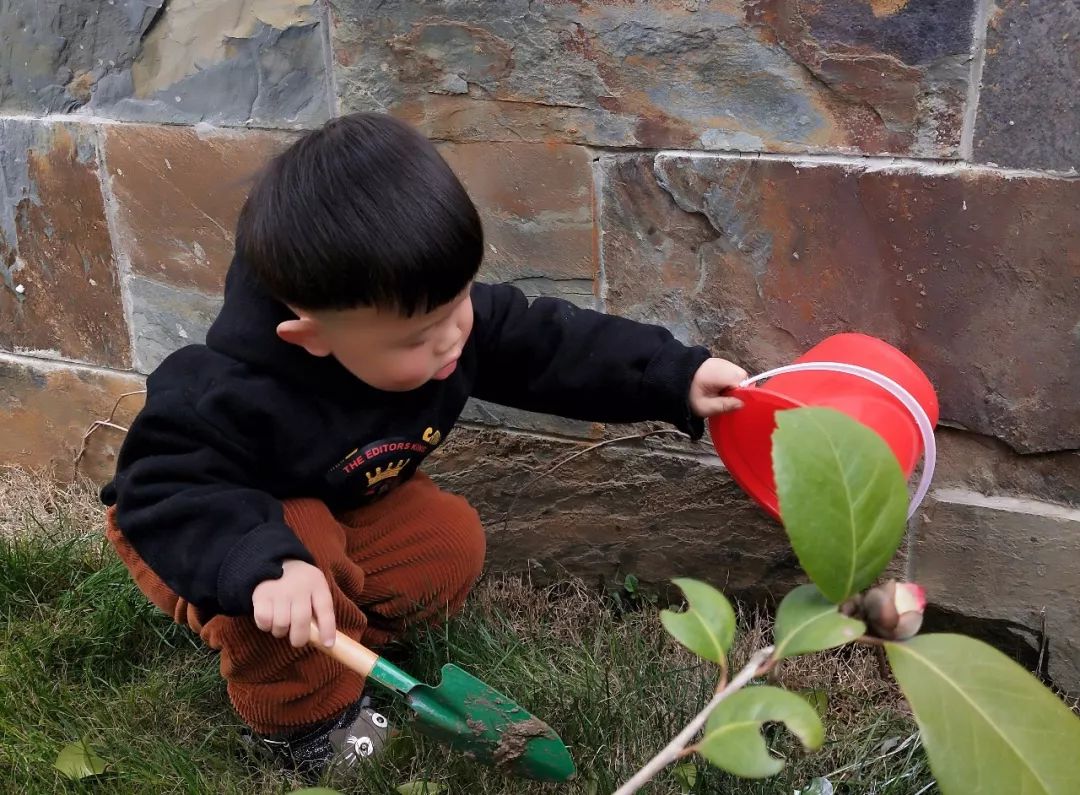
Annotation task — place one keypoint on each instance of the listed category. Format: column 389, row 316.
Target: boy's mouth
column 446, row 371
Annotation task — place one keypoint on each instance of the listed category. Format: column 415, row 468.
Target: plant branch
column 105, row 423
column 677, row 747
column 870, row 640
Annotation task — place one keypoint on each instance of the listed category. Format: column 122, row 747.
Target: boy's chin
column 400, row 387
column 388, row 386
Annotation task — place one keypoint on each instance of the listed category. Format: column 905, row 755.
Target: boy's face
column 383, row 348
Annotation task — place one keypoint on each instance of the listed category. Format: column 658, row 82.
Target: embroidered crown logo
column 380, row 474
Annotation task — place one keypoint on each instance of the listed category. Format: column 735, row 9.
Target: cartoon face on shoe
column 364, row 737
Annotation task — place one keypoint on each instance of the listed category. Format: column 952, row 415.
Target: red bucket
column 743, row 438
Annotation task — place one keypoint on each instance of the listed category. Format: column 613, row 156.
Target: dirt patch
column 515, row 737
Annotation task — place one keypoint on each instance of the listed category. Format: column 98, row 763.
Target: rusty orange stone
column 537, row 207
column 178, row 194
column 46, row 409
column 976, row 277
column 55, row 240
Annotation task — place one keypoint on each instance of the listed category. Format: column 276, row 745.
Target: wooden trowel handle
column 346, row 651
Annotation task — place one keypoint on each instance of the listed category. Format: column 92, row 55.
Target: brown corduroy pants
column 410, row 558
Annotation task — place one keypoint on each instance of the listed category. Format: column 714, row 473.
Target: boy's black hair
column 362, row 212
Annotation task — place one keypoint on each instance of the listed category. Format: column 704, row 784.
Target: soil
column 515, row 737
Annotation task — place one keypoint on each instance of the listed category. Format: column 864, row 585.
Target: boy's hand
column 712, row 379
column 285, row 606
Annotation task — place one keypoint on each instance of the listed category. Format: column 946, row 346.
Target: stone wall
column 754, row 174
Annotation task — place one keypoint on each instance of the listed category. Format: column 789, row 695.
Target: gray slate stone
column 766, row 75
column 171, row 60
column 1029, row 105
column 166, row 319
column 1011, row 560
column 56, row 51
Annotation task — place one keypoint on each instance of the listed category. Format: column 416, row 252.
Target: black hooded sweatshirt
column 233, row 427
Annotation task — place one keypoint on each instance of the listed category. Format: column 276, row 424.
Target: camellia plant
column 988, row 726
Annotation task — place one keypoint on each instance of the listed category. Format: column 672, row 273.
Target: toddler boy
column 272, row 477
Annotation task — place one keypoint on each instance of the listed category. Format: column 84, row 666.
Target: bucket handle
column 926, row 428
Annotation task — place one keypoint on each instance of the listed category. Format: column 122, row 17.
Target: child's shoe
column 339, row 743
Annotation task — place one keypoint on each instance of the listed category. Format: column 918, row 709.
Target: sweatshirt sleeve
column 190, row 504
column 556, row 358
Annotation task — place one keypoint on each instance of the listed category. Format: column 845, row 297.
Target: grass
column 82, row 655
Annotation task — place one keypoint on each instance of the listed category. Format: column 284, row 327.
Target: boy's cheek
column 404, row 373
column 465, row 321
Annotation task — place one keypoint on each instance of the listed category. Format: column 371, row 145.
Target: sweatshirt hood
column 246, row 330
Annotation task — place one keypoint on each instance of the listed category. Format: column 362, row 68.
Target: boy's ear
column 304, row 332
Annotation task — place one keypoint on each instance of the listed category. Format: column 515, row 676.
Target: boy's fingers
column 725, row 373
column 324, row 617
column 264, row 615
column 282, row 618
column 300, row 630
column 720, row 405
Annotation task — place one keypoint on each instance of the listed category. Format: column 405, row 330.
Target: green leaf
column 79, row 760
column 421, row 788
column 816, row 697
column 988, row 726
column 843, row 498
column 630, row 583
column 806, row 621
column 707, row 627
column 733, row 741
column 686, row 774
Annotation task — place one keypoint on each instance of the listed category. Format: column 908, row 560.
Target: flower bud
column 894, row 610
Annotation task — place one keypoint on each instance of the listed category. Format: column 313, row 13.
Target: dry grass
column 34, row 500
column 869, row 726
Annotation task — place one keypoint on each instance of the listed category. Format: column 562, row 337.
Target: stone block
column 772, row 75
column 1029, row 103
column 1012, row 563
column 166, row 318
column 59, row 288
column 537, row 207
column 481, row 412
column 614, row 510
column 178, row 193
column 976, row 276
column 229, row 61
column 47, row 407
column 536, row 202
column 984, row 465
column 56, row 51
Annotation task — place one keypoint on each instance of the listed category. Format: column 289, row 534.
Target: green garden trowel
column 464, row 713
